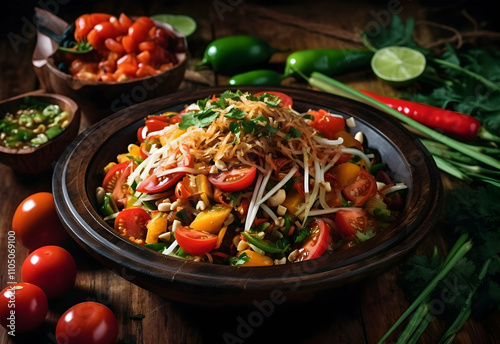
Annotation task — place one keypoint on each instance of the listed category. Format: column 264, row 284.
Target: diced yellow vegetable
column 165, row 139
column 108, row 167
column 211, row 219
column 256, row 259
column 292, row 201
column 204, row 186
column 346, row 173
column 156, row 226
column 221, row 237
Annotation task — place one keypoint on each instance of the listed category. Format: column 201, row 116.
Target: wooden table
column 358, row 314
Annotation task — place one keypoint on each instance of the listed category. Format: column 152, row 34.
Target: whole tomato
column 36, row 223
column 52, row 268
column 23, row 307
column 87, row 323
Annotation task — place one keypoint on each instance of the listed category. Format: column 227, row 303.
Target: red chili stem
column 451, row 123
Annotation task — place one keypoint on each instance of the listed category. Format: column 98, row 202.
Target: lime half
column 398, row 65
column 182, row 23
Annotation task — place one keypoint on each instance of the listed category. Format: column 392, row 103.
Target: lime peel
column 182, row 23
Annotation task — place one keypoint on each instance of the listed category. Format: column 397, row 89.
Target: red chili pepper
column 454, row 124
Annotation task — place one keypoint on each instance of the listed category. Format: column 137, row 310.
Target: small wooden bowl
column 79, row 172
column 98, row 99
column 39, row 159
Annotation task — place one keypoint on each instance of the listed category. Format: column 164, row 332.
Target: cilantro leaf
column 199, row 119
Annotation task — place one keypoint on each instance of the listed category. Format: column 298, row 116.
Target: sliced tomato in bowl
column 195, row 242
column 317, row 243
column 363, row 188
column 160, row 180
column 115, row 181
column 132, row 222
column 286, row 100
column 236, row 179
column 349, row 222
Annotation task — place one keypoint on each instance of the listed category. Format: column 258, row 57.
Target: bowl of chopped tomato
column 224, row 196
column 106, row 62
column 35, row 128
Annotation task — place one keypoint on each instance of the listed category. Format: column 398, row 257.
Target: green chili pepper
column 257, row 77
column 19, row 135
column 26, row 121
column 234, row 54
column 264, row 245
column 39, row 140
column 327, row 61
column 53, row 131
column 108, row 205
column 51, row 110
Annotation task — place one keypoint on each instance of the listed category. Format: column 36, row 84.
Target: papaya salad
column 245, row 180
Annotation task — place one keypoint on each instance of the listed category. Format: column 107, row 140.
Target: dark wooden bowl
column 39, row 159
column 100, row 99
column 78, row 173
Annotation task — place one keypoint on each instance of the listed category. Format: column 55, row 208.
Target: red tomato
column 36, row 222
column 87, row 323
column 83, row 25
column 112, row 45
column 235, row 179
column 115, row 181
column 156, row 124
column 155, row 183
column 142, row 133
column 328, row 125
column 51, row 268
column 317, row 243
column 131, row 222
column 100, row 33
column 195, row 242
column 286, row 100
column 125, row 21
column 349, row 222
column 138, row 31
column 23, row 307
column 129, row 44
column 363, row 188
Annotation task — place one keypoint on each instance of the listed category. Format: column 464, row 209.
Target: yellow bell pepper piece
column 211, row 219
column 156, row 226
column 256, row 259
column 346, row 173
column 292, row 201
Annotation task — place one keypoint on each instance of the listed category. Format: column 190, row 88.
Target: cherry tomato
column 125, row 21
column 286, row 100
column 195, row 242
column 155, row 183
column 36, row 222
column 87, row 323
column 131, row 222
column 317, row 243
column 112, row 45
column 129, row 44
column 100, row 33
column 115, row 181
column 23, row 307
column 139, row 30
column 349, row 222
column 328, row 125
column 51, row 268
column 363, row 188
column 156, row 123
column 236, row 179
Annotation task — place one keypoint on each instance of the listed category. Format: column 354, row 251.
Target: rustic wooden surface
column 358, row 314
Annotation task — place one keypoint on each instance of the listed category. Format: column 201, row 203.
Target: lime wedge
column 398, row 65
column 182, row 23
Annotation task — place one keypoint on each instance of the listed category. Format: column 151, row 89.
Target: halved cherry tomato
column 236, row 179
column 328, row 125
column 155, row 183
column 349, row 222
column 131, row 222
column 156, row 123
column 30, row 307
column 363, row 187
column 114, row 181
column 195, row 242
column 286, row 100
column 317, row 243
column 89, row 323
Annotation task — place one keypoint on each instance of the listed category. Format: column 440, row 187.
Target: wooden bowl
column 39, row 159
column 78, row 174
column 99, row 99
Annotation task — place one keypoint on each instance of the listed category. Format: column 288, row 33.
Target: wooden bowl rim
column 89, row 230
column 74, row 116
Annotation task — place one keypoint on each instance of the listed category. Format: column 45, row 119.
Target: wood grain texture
column 360, row 314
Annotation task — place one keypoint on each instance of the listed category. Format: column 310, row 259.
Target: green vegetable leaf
column 200, row 118
column 241, row 259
